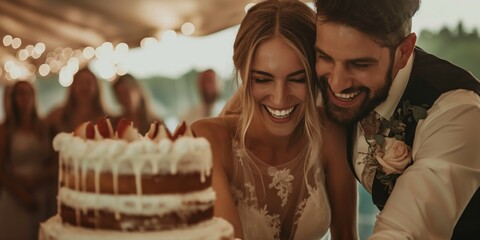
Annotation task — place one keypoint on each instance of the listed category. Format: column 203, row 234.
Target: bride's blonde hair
column 294, row 21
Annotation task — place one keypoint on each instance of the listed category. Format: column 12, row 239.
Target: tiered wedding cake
column 122, row 185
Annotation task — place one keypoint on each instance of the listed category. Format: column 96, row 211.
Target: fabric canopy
column 77, row 24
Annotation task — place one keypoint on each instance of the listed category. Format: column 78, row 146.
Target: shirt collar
column 399, row 84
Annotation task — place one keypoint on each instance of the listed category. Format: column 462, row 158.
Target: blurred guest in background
column 133, row 101
column 27, row 169
column 6, row 91
column 209, row 90
column 83, row 104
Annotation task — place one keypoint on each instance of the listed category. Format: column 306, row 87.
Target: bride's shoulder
column 217, row 128
column 219, row 133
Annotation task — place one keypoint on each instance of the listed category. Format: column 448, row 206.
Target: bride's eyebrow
column 298, row 72
column 262, row 73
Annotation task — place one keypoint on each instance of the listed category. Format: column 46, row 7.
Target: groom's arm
column 430, row 196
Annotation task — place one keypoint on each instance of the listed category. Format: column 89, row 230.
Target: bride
column 278, row 173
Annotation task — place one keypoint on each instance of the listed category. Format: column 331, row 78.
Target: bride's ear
column 405, row 49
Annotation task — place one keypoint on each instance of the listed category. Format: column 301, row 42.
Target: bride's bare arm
column 340, row 183
column 224, row 204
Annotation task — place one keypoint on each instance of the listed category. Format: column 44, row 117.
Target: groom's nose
column 339, row 78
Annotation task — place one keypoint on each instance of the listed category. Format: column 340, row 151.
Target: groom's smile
column 354, row 71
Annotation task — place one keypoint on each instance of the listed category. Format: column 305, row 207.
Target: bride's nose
column 279, row 94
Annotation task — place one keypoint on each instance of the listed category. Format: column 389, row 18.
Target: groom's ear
column 405, row 49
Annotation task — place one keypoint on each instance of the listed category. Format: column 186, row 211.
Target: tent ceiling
column 80, row 23
column 77, row 24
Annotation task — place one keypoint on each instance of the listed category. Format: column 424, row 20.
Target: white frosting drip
column 185, row 154
column 146, row 205
column 214, row 229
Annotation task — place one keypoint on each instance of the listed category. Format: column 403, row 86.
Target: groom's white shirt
column 430, row 196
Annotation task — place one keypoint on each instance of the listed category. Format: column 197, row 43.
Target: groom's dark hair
column 386, row 21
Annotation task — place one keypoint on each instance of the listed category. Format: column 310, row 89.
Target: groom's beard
column 346, row 116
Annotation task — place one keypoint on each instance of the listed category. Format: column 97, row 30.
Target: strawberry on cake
column 124, row 185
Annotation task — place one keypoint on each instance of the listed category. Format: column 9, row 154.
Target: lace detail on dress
column 300, row 209
column 268, row 205
column 282, row 181
column 248, row 209
column 248, row 197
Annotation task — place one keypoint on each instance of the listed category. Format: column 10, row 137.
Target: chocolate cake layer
column 106, row 220
column 150, row 184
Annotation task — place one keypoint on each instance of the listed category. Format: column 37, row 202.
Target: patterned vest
column 430, row 77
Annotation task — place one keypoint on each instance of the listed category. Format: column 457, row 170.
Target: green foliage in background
column 456, row 45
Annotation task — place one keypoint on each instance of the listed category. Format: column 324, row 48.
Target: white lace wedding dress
column 274, row 202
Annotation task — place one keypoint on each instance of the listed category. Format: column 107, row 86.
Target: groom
column 412, row 119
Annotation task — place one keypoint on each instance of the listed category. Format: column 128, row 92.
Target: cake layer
column 132, row 223
column 145, row 184
column 145, row 205
column 142, row 156
column 214, row 229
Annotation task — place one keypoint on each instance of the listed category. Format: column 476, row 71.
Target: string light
column 8, row 65
column 121, row 69
column 40, row 48
column 67, row 53
column 65, row 77
column 148, row 42
column 188, row 28
column 122, row 48
column 44, row 70
column 88, row 52
column 7, row 40
column 66, row 61
column 169, row 35
column 23, row 54
column 16, row 43
column 36, row 55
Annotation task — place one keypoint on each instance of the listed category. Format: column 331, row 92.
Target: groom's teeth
column 347, row 96
column 280, row 113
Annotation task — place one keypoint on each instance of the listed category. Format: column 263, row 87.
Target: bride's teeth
column 347, row 96
column 280, row 113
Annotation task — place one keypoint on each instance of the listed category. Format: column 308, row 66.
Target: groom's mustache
column 324, row 85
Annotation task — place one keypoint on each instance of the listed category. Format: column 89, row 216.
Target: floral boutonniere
column 388, row 154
